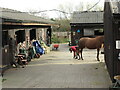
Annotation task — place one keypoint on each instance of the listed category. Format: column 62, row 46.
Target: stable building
column 86, row 24
column 23, row 27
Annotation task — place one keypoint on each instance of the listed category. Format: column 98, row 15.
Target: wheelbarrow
column 56, row 46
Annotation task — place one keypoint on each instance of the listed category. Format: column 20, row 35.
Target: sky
column 40, row 5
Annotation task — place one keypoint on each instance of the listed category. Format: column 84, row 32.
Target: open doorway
column 99, row 32
column 20, row 36
column 4, row 38
column 32, row 34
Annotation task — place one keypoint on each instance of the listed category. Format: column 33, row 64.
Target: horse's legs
column 78, row 56
column 75, row 55
column 98, row 54
column 81, row 53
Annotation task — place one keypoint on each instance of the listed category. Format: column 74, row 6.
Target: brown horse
column 91, row 43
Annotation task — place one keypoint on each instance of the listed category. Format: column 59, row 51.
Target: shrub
column 59, row 40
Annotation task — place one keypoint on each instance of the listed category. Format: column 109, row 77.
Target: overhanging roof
column 10, row 16
column 87, row 17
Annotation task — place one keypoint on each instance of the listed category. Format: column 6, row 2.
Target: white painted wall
column 88, row 32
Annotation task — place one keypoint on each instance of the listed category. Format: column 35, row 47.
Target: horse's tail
column 81, row 42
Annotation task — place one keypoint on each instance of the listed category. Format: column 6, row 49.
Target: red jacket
column 73, row 48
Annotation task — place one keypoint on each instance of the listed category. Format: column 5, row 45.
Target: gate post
column 0, row 53
column 0, row 46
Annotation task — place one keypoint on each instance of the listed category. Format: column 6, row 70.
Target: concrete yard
column 58, row 69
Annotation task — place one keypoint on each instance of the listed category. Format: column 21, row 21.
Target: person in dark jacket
column 12, row 50
column 14, row 60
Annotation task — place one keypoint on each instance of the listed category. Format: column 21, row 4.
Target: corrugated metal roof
column 87, row 17
column 115, row 6
column 21, row 16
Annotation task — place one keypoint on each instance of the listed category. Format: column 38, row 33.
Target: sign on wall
column 78, row 31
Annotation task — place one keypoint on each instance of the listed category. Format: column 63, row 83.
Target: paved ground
column 58, row 69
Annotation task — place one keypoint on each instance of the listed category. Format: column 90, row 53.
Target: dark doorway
column 4, row 38
column 98, row 32
column 49, row 36
column 20, row 36
column 32, row 34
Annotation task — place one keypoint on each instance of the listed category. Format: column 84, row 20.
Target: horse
column 91, row 43
column 75, row 51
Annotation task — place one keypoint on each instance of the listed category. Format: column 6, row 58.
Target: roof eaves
column 22, row 17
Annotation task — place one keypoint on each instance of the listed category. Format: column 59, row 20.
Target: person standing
column 12, row 51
